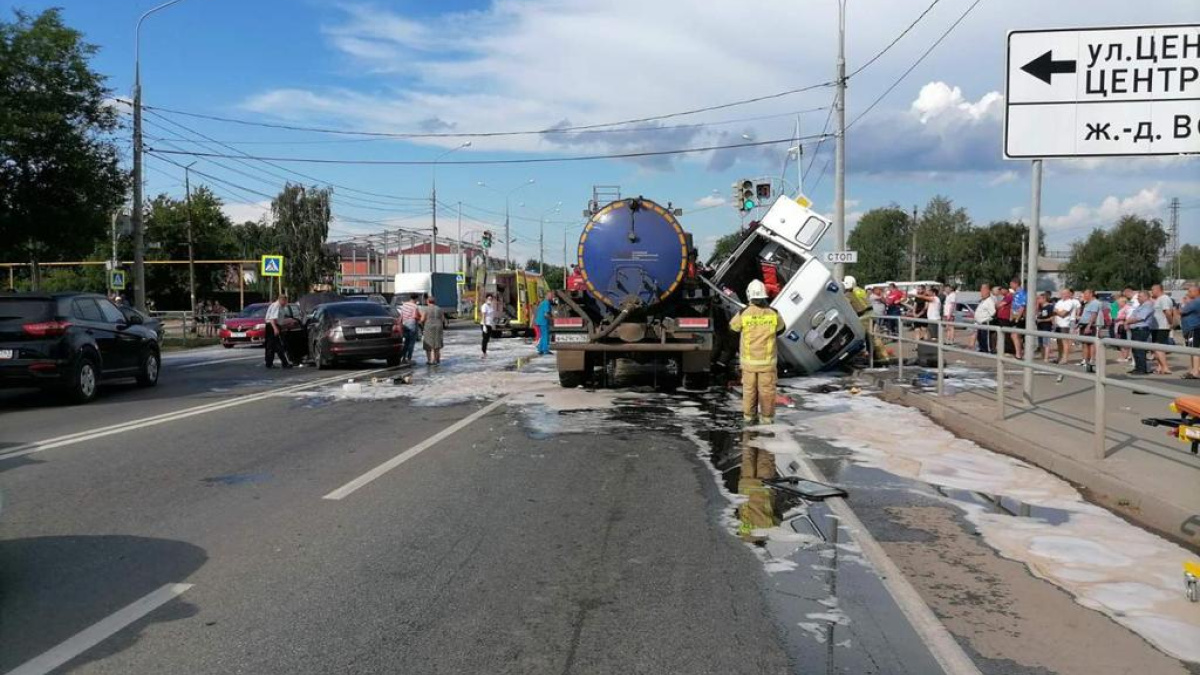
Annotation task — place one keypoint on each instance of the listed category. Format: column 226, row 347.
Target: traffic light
column 487, row 238
column 748, row 198
column 763, row 192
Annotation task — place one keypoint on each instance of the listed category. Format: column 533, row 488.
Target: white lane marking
column 99, row 632
column 92, row 434
column 213, row 362
column 347, row 489
column 942, row 645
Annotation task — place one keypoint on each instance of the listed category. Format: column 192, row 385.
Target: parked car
column 153, row 323
column 69, row 342
column 354, row 331
column 249, row 327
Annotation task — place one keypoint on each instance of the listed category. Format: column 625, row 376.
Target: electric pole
column 912, row 251
column 1175, row 239
column 135, row 216
column 839, row 197
column 187, row 190
column 460, row 264
column 433, row 235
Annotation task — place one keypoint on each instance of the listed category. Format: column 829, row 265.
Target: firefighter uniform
column 759, row 326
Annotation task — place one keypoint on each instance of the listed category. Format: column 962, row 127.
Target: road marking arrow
column 1045, row 67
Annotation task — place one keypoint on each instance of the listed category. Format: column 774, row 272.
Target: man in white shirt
column 933, row 311
column 488, row 316
column 274, row 342
column 949, row 309
column 1164, row 318
column 1066, row 315
column 985, row 313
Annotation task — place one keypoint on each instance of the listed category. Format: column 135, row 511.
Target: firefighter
column 759, row 325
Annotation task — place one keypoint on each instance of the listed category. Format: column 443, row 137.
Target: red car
column 250, row 325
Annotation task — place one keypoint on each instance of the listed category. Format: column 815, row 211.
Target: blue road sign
column 272, row 265
column 116, row 280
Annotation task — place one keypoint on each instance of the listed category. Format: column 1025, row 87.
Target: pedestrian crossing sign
column 272, row 265
column 116, row 280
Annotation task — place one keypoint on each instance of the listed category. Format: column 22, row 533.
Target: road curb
column 1147, row 510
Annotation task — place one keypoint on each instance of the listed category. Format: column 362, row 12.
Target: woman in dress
column 433, row 320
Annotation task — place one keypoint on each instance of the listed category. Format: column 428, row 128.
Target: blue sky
column 518, row 64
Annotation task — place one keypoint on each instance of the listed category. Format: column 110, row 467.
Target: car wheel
column 393, row 360
column 569, row 379
column 318, row 356
column 85, row 381
column 149, row 368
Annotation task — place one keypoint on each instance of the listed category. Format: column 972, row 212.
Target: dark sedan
column 70, row 341
column 354, row 331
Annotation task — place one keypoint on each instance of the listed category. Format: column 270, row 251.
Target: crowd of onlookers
column 1152, row 317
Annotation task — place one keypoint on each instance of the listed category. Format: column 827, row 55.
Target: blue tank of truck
column 633, row 251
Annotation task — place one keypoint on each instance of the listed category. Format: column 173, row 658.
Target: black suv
column 70, row 341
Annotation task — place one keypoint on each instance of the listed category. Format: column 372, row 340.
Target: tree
column 992, row 254
column 301, row 220
column 60, row 180
column 1189, row 261
column 725, row 246
column 881, row 241
column 1126, row 255
column 942, row 240
column 167, row 235
column 553, row 274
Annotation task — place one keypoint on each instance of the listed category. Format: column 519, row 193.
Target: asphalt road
column 242, row 520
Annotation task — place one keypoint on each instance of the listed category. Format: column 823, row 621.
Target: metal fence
column 1099, row 378
column 184, row 325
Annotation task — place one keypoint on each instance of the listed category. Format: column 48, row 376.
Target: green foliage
column 992, row 254
column 1126, row 255
column 167, row 239
column 553, row 274
column 1189, row 261
column 880, row 238
column 60, row 180
column 943, row 240
column 725, row 246
column 301, row 223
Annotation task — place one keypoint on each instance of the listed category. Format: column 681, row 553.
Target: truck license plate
column 6, row 353
column 570, row 337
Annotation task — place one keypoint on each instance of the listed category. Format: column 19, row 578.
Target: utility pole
column 541, row 245
column 460, row 263
column 187, row 189
column 139, row 238
column 912, row 251
column 1031, row 256
column 1175, row 239
column 115, row 216
column 839, row 189
column 433, row 235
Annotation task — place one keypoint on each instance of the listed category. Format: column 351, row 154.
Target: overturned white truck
column 823, row 330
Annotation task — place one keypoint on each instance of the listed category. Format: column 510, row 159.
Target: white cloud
column 1002, row 178
column 709, row 201
column 240, row 212
column 1147, row 203
column 938, row 102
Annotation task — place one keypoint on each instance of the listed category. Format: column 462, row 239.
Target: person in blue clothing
column 1190, row 324
column 541, row 317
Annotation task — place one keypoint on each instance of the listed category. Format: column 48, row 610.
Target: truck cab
column 823, row 329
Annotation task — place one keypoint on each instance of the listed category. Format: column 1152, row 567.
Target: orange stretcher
column 1186, row 427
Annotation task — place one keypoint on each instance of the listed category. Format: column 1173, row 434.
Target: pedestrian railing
column 1099, row 378
column 185, row 325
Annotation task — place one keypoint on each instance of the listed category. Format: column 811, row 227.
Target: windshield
column 346, row 310
column 253, row 312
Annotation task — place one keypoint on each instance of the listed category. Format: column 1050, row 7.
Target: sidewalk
column 1146, row 476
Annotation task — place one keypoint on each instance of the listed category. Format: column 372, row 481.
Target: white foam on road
column 1105, row 563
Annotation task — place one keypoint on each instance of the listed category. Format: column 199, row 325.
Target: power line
column 916, row 63
column 492, row 134
column 891, row 44
column 476, row 162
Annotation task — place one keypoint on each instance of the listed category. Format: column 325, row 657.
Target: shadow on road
column 53, row 587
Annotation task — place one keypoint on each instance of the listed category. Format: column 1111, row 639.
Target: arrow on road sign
column 1045, row 67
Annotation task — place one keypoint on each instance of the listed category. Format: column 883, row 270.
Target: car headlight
column 261, row 326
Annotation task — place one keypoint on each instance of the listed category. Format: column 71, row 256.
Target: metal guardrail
column 184, row 324
column 1100, row 379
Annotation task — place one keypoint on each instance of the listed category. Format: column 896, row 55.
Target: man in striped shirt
column 409, row 315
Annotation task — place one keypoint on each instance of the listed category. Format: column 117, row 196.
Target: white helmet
column 757, row 290
column 849, row 282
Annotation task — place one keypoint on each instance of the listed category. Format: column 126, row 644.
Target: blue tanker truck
column 640, row 299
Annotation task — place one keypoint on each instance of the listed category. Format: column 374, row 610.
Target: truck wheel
column 570, row 379
column 697, row 381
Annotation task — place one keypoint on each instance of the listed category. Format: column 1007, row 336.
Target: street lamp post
column 139, row 237
column 839, row 174
column 507, row 195
column 542, row 236
column 187, row 190
column 433, row 203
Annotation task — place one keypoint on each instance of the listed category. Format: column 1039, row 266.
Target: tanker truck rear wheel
column 697, row 381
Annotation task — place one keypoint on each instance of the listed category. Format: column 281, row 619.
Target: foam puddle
column 1105, row 563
